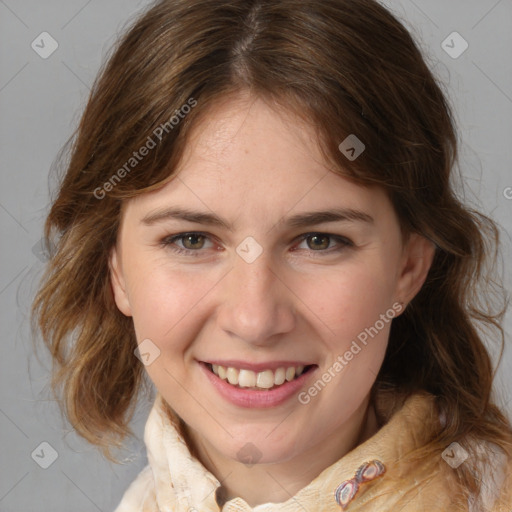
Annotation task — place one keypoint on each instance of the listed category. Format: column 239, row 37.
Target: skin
column 254, row 165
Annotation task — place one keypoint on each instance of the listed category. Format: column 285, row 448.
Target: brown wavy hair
column 344, row 66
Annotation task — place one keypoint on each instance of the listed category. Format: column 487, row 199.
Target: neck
column 278, row 482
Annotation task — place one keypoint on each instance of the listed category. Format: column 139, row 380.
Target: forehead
column 248, row 130
column 244, row 157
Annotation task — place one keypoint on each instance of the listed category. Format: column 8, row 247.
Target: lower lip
column 256, row 399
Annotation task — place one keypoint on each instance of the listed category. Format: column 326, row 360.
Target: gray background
column 40, row 104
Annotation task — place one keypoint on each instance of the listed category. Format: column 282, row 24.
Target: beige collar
column 183, row 484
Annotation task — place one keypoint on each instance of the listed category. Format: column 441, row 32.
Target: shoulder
column 489, row 466
column 493, row 469
column 436, row 479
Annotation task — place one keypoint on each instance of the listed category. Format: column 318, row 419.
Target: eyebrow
column 296, row 221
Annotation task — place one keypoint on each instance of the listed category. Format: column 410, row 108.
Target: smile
column 263, row 380
column 259, row 385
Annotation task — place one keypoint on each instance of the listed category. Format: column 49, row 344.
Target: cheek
column 348, row 300
column 164, row 298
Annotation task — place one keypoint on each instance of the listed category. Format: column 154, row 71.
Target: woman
column 258, row 215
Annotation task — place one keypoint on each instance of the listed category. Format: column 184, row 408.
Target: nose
column 256, row 305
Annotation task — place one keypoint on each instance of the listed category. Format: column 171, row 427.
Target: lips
column 255, row 396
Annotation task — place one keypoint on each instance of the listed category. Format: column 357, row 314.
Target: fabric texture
column 175, row 481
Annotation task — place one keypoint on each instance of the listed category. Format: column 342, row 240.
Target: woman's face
column 257, row 289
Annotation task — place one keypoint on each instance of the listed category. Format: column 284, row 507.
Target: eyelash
column 168, row 242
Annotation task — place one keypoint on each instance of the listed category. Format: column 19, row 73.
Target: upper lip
column 256, row 367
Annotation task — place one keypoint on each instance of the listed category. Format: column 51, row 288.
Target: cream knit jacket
column 175, row 481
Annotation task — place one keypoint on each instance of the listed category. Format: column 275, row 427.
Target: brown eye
column 323, row 244
column 319, row 241
column 191, row 241
column 192, row 244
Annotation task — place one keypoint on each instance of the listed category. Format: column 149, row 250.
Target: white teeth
column 246, row 379
column 221, row 372
column 232, row 375
column 266, row 379
column 280, row 376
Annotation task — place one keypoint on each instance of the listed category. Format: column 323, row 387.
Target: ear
column 418, row 255
column 118, row 283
